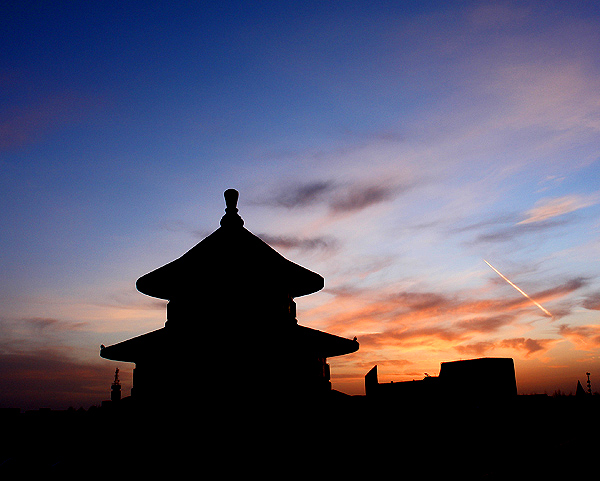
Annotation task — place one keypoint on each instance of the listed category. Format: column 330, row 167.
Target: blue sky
column 389, row 146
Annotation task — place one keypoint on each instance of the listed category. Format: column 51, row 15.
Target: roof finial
column 231, row 217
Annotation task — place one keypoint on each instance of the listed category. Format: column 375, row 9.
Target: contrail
column 518, row 289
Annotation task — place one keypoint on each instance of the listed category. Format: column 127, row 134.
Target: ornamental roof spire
column 231, row 217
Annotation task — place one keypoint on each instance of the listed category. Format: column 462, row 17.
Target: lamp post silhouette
column 115, row 388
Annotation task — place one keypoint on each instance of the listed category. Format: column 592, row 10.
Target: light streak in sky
column 518, row 289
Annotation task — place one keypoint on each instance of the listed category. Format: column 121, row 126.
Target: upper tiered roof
column 230, row 250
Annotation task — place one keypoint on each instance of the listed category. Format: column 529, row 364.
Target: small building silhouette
column 484, row 379
column 231, row 329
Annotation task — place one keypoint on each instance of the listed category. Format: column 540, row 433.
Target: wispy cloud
column 48, row 323
column 412, row 320
column 300, row 195
column 176, row 225
column 475, row 348
column 131, row 300
column 301, row 243
column 549, row 208
column 29, row 123
column 527, row 345
column 358, row 197
column 507, row 227
column 421, row 301
column 492, row 16
column 337, row 197
column 513, row 232
column 592, row 301
column 561, row 290
column 432, row 304
column 485, row 324
column 584, row 337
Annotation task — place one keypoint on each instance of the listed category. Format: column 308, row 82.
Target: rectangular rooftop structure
column 488, row 377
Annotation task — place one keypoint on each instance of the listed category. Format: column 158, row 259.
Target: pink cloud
column 548, row 208
column 27, row 124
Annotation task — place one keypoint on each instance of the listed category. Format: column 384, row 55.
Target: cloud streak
column 301, row 195
column 592, row 301
column 338, row 198
column 549, row 208
column 528, row 346
column 519, row 289
column 359, row 197
column 585, row 337
column 415, row 306
column 28, row 124
column 510, row 233
column 304, row 244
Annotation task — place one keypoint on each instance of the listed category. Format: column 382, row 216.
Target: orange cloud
column 442, row 314
column 584, row 337
column 416, row 330
column 529, row 346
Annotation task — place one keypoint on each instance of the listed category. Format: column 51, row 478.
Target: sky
column 392, row 147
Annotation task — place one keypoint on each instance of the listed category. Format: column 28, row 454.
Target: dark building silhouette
column 408, row 390
column 231, row 330
column 485, row 379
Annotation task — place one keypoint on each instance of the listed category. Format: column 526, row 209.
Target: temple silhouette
column 231, row 330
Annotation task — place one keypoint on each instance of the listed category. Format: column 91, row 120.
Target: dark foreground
column 531, row 436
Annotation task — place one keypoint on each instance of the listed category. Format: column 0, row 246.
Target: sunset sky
column 391, row 147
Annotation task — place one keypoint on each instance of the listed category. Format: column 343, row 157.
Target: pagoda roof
column 311, row 341
column 230, row 251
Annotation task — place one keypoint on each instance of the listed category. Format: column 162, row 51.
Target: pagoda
column 231, row 331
